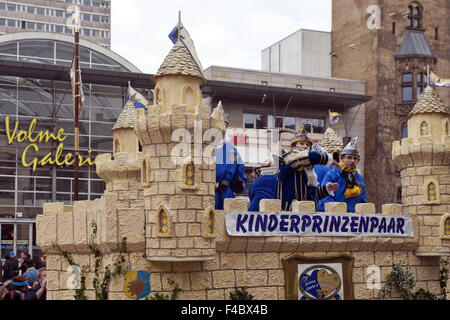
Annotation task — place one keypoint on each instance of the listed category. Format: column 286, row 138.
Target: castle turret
column 178, row 170
column 424, row 159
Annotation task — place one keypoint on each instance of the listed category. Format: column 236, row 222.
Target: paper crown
column 351, row 148
column 301, row 136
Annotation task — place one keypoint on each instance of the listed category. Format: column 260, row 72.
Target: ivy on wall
column 99, row 283
column 404, row 281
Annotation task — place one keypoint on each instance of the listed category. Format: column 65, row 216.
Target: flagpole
column 76, row 109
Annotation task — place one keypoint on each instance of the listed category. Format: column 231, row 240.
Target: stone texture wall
column 251, row 262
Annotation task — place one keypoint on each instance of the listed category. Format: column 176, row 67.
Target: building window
column 393, row 27
column 404, row 131
column 407, row 87
column 163, row 221
column 431, row 191
column 436, row 36
column 190, row 175
column 285, row 122
column 447, row 227
column 255, row 121
column 116, row 146
column 399, row 195
column 424, row 129
column 414, row 18
column 421, row 81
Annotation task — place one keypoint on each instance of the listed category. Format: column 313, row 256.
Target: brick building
column 389, row 45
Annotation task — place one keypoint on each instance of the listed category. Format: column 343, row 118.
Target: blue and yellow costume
column 230, row 175
column 294, row 180
column 264, row 187
column 352, row 189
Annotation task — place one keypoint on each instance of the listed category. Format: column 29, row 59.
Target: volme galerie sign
column 319, row 224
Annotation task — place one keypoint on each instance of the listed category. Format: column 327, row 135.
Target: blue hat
column 301, row 136
column 351, row 148
column 12, row 253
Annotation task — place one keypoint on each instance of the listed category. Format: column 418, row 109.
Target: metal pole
column 76, row 111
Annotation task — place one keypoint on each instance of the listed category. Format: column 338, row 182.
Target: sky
column 228, row 33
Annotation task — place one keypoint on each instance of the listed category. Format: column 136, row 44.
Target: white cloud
column 228, row 33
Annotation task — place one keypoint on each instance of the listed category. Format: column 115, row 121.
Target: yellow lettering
column 59, row 151
column 67, row 158
column 88, row 160
column 60, row 132
column 8, row 133
column 47, row 159
column 22, row 136
column 31, row 129
column 34, row 162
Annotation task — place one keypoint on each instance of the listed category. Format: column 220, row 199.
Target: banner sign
column 248, row 224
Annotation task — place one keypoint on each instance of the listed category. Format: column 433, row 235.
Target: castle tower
column 331, row 142
column 424, row 162
column 124, row 138
column 178, row 169
column 389, row 45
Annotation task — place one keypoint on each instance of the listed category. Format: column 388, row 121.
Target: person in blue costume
column 296, row 178
column 352, row 188
column 320, row 170
column 264, row 187
column 230, row 175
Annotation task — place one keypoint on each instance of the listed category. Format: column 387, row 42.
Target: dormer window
column 414, row 18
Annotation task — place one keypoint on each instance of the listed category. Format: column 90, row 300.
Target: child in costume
column 352, row 188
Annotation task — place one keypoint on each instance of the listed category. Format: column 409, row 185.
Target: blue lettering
column 336, row 222
column 391, row 227
column 273, row 223
column 325, row 225
column 400, row 225
column 241, row 219
column 306, row 222
column 284, row 223
column 261, row 221
column 344, row 226
column 295, row 220
column 382, row 226
column 373, row 223
column 316, row 224
column 363, row 224
column 354, row 224
column 250, row 223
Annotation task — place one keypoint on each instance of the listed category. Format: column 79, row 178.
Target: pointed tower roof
column 331, row 142
column 127, row 117
column 429, row 102
column 179, row 61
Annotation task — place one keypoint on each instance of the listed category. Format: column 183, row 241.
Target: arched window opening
column 163, row 221
column 431, row 191
column 190, row 175
column 189, row 96
column 424, row 129
column 447, row 227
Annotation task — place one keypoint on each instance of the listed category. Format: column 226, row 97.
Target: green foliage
column 404, row 282
column 444, row 277
column 173, row 296
column 100, row 284
column 240, row 294
column 79, row 293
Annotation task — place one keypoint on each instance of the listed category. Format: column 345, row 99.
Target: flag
column 186, row 40
column 72, row 80
column 334, row 117
column 138, row 99
column 437, row 81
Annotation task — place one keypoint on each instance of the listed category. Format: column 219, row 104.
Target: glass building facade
column 24, row 189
